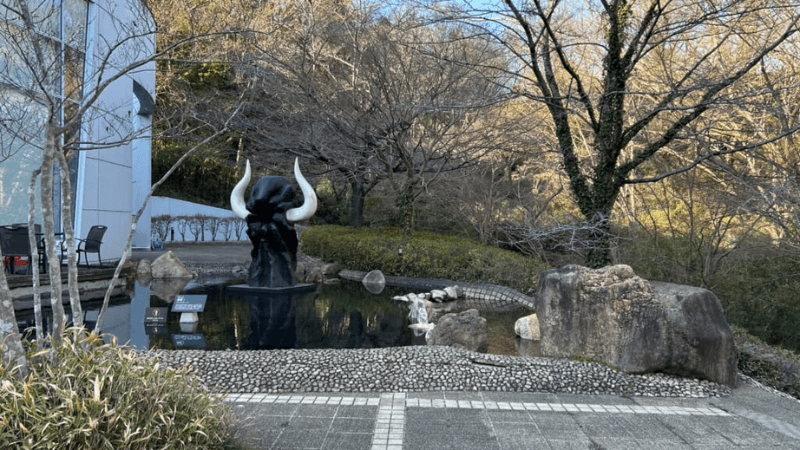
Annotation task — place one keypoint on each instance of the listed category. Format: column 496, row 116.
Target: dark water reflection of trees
column 342, row 315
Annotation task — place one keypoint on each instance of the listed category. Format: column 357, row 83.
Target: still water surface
column 343, row 315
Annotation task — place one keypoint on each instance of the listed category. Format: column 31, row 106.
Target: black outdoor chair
column 92, row 244
column 40, row 247
column 14, row 241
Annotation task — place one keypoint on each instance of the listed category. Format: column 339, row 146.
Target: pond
column 342, row 315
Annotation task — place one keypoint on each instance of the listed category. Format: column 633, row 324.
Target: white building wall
column 112, row 182
column 116, row 180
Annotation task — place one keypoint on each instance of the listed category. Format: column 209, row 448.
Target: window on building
column 42, row 60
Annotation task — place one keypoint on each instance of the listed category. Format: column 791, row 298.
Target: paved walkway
column 751, row 418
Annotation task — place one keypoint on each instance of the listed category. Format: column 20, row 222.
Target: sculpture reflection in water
column 270, row 213
column 272, row 322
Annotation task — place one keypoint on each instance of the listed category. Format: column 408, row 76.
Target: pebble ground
column 420, row 368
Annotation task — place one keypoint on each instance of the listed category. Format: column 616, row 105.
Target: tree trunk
column 357, row 197
column 405, row 202
column 69, row 234
column 51, row 146
column 599, row 252
column 10, row 339
column 37, row 296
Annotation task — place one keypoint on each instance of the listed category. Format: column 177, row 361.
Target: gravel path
column 419, row 368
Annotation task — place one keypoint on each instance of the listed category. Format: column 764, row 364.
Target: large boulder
column 465, row 330
column 620, row 319
column 169, row 266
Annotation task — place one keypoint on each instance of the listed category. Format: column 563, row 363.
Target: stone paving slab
column 477, row 420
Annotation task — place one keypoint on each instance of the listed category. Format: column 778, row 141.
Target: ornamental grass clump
column 86, row 394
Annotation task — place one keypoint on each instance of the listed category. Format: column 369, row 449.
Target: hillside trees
column 374, row 97
column 624, row 82
column 194, row 90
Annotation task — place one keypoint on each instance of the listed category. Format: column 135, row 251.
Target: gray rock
column 374, row 281
column 528, row 327
column 331, row 270
column 438, row 295
column 620, row 319
column 167, row 288
column 143, row 271
column 315, row 275
column 466, row 330
column 300, row 271
column 169, row 266
column 529, row 348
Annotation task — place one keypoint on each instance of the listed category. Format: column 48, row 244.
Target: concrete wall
column 175, row 208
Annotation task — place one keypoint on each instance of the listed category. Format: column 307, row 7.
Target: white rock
column 528, row 327
column 373, row 281
column 453, row 292
column 438, row 295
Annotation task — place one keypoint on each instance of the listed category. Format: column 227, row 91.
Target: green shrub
column 102, row 396
column 662, row 257
column 426, row 255
column 760, row 296
column 773, row 366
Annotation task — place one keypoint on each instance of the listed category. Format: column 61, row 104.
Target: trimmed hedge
column 425, row 255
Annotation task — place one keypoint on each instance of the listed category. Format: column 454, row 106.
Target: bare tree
column 212, row 225
column 197, row 225
column 238, row 228
column 624, row 82
column 45, row 101
column 374, row 96
column 161, row 225
column 182, row 222
column 226, row 227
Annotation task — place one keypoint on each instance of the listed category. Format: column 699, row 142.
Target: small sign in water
column 189, row 340
column 155, row 316
column 189, row 303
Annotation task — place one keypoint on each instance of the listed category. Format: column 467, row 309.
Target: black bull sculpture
column 270, row 213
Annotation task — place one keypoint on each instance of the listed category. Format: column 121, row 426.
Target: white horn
column 237, row 195
column 309, row 206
